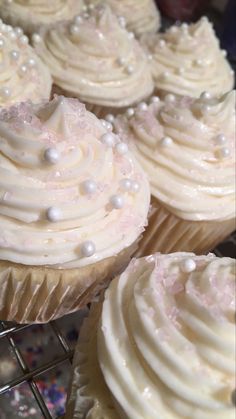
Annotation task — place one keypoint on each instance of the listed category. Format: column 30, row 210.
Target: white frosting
column 48, row 216
column 32, row 14
column 187, row 60
column 96, row 60
column 187, row 148
column 141, row 16
column 22, row 74
column 166, row 340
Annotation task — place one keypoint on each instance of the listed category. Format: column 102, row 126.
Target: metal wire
column 27, row 374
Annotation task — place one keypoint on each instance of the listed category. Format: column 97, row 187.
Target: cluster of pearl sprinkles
column 8, row 33
column 74, row 29
column 184, row 35
column 89, row 187
column 220, row 140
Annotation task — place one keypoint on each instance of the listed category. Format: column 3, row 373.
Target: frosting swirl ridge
column 97, row 60
column 31, row 14
column 71, row 193
column 166, row 339
column 187, row 60
column 23, row 75
column 187, row 148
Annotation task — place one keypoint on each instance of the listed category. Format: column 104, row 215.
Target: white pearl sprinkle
column 5, row 92
column 166, row 141
column 117, row 201
column 110, row 118
column 22, row 70
column 165, row 75
column 224, row 152
column 106, row 125
column 36, row 38
column 150, row 57
column 161, row 43
column 205, row 96
column 2, row 43
column 130, row 35
column 78, row 19
column 122, row 21
column 121, row 148
column 12, row 36
column 170, row 98
column 74, row 29
column 220, row 139
column 130, row 112
column 121, row 61
column 31, row 62
column 180, row 70
column 87, row 248
column 14, row 55
column 108, row 139
column 130, row 69
column 18, row 31
column 52, row 155
column 54, row 214
column 173, row 29
column 135, row 186
column 199, row 62
column 89, row 186
column 126, row 184
column 205, row 108
column 188, row 265
column 155, row 99
column 224, row 52
column 142, row 106
column 24, row 40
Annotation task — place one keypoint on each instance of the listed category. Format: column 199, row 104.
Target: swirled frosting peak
column 166, row 339
column 32, row 14
column 187, row 148
column 95, row 58
column 187, row 60
column 71, row 193
column 23, row 75
column 141, row 16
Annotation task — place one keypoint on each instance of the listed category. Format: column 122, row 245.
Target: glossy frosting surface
column 187, row 148
column 43, row 12
column 23, row 75
column 96, row 59
column 141, row 15
column 71, row 193
column 166, row 339
column 187, row 60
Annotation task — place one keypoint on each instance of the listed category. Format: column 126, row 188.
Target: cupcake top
column 187, row 148
column 22, row 74
column 166, row 338
column 32, row 14
column 187, row 60
column 95, row 58
column 71, row 193
column 141, row 16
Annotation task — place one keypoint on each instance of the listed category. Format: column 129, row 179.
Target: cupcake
column 95, row 59
column 161, row 345
column 23, row 74
column 141, row 16
column 187, row 60
column 187, row 148
column 32, row 14
column 73, row 203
